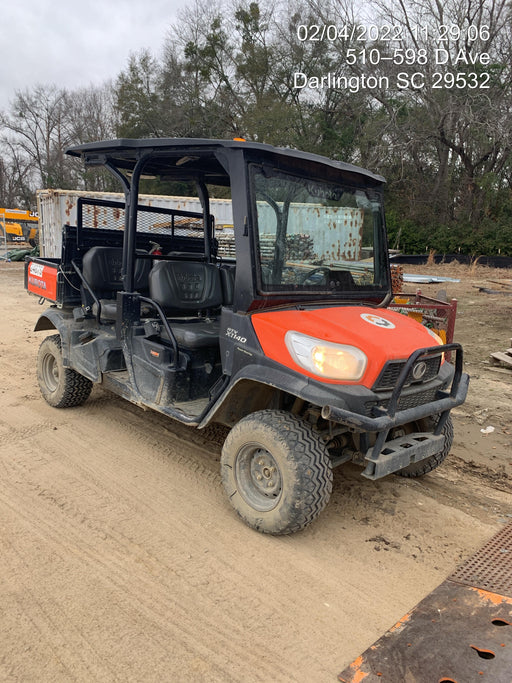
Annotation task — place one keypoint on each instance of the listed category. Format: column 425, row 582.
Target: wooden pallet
column 503, row 356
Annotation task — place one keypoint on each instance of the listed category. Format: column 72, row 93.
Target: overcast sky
column 73, row 43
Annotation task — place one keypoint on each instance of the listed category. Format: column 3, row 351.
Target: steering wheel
column 321, row 269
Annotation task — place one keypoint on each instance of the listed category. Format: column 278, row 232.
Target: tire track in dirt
column 10, row 434
column 131, row 506
column 121, row 547
column 59, row 499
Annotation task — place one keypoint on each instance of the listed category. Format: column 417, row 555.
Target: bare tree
column 467, row 119
column 92, row 113
column 38, row 127
column 16, row 180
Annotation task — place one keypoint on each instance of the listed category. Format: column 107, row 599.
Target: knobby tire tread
column 310, row 459
column 77, row 388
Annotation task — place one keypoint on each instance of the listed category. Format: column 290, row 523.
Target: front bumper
column 385, row 457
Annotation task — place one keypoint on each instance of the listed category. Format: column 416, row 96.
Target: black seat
column 196, row 333
column 101, row 268
column 341, row 279
column 182, row 288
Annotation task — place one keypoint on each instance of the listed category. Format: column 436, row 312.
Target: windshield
column 314, row 236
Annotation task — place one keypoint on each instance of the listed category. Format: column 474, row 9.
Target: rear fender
column 49, row 320
column 52, row 319
column 81, row 350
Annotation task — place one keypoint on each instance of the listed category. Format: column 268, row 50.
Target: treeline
column 417, row 90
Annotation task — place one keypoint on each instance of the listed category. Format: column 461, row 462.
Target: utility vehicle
column 280, row 331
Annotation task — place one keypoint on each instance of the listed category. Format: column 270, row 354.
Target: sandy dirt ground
column 121, row 559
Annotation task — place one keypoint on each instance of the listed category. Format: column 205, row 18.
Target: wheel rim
column 258, row 477
column 50, row 372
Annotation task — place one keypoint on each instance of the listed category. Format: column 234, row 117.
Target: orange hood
column 382, row 334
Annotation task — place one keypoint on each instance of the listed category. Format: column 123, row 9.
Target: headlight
column 438, row 340
column 436, row 336
column 333, row 361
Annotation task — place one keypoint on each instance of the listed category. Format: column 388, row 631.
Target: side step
column 401, row 452
column 118, row 382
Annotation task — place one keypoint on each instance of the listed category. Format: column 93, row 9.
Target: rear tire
column 276, row 472
column 418, row 469
column 61, row 387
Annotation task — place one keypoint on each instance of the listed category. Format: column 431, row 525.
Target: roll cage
column 235, row 165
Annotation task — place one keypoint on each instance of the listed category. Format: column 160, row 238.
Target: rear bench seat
column 101, row 269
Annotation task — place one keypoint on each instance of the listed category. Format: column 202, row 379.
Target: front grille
column 391, row 371
column 405, row 402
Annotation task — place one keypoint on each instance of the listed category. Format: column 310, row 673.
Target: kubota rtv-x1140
column 276, row 326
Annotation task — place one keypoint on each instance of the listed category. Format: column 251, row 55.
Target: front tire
column 61, row 387
column 276, row 472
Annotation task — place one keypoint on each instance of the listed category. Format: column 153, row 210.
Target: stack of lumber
column 503, row 357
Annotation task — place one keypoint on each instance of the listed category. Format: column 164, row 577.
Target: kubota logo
column 378, row 321
column 419, row 370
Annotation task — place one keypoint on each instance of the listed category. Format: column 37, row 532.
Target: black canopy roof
column 177, row 156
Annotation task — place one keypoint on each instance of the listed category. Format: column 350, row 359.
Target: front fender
column 253, row 387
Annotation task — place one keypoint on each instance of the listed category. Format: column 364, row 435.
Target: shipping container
column 58, row 208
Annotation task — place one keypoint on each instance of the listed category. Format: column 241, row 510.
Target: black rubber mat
column 460, row 633
column 490, row 567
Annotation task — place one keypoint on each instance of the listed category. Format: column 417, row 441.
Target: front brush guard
column 385, row 457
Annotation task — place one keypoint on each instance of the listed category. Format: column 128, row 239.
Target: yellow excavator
column 17, row 225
